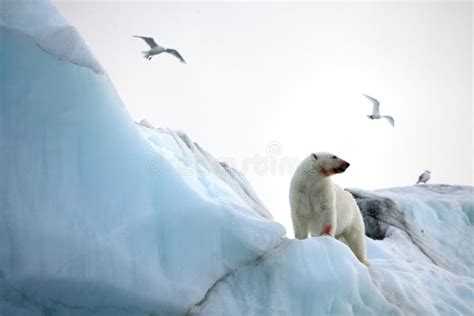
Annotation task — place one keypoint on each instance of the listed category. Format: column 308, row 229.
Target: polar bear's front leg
column 327, row 216
column 355, row 241
column 300, row 226
column 328, row 221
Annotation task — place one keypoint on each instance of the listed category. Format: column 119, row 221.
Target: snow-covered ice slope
column 317, row 276
column 423, row 255
column 182, row 146
column 438, row 219
column 410, row 228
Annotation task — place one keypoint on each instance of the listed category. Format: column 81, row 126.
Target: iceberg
column 89, row 205
column 101, row 215
column 422, row 252
column 437, row 220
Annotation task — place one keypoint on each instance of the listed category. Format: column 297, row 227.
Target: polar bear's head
column 328, row 164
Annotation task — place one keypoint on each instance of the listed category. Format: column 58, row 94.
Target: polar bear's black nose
column 345, row 165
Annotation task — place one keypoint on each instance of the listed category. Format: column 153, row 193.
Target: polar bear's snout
column 329, row 165
column 344, row 165
column 339, row 168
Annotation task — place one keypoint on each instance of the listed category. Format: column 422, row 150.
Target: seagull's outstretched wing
column 175, row 53
column 390, row 120
column 149, row 40
column 375, row 104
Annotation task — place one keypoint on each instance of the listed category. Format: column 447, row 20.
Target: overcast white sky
column 278, row 81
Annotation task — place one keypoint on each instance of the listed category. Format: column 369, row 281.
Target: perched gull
column 424, row 177
column 156, row 49
column 376, row 112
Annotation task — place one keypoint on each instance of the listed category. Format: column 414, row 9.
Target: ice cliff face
column 101, row 216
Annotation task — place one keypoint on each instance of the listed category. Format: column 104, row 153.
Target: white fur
column 316, row 203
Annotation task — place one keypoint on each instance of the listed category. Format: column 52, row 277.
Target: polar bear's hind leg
column 355, row 241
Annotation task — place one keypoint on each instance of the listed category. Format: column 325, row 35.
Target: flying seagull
column 424, row 177
column 156, row 49
column 376, row 112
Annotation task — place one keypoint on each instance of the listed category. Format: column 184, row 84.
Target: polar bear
column 323, row 208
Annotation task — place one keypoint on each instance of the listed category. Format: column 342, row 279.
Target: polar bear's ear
column 315, row 156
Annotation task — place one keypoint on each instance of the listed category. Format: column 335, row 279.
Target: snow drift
column 99, row 216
